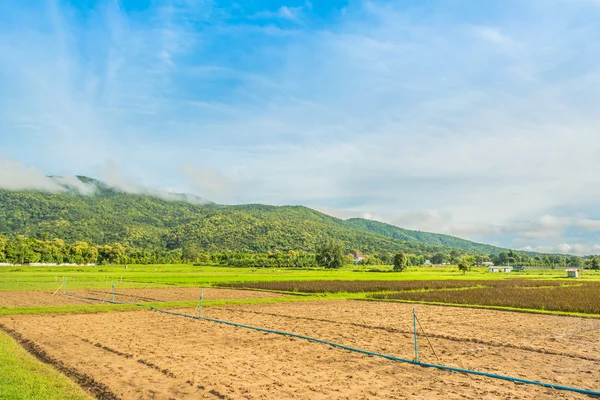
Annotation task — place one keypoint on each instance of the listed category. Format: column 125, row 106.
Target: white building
column 573, row 273
column 499, row 269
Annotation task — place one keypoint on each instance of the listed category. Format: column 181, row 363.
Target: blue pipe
column 369, row 353
column 103, row 300
column 389, row 357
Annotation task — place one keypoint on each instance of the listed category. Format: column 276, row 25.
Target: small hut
column 573, row 273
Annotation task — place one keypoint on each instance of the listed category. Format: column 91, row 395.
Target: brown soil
column 148, row 355
column 99, row 390
column 34, row 298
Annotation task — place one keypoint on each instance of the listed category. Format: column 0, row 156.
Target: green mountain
column 149, row 222
column 395, row 232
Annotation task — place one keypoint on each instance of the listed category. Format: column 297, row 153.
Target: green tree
column 575, row 261
column 455, row 256
column 20, row 250
column 594, row 263
column 513, row 256
column 3, row 242
column 480, row 259
column 330, row 254
column 438, row 258
column 400, row 262
column 502, row 259
column 466, row 263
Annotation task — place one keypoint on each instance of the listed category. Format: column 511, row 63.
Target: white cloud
column 564, row 248
column 588, row 224
column 210, row 183
column 477, row 128
column 492, row 34
column 17, row 177
column 289, row 13
column 284, row 12
column 111, row 175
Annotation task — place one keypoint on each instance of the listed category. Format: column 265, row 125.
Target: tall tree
column 438, row 258
column 466, row 263
column 330, row 254
column 400, row 262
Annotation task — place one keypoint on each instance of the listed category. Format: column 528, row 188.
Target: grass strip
column 23, row 377
column 100, row 308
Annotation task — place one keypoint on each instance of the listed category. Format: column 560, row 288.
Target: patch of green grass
column 50, row 278
column 23, row 377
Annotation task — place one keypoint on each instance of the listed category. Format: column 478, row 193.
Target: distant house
column 427, row 262
column 573, row 273
column 499, row 269
column 358, row 257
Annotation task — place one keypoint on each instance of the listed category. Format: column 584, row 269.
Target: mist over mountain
column 89, row 210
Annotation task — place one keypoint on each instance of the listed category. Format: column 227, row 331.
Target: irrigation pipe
column 386, row 356
column 360, row 351
column 103, row 300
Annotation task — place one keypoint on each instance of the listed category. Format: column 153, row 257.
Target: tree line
column 330, row 253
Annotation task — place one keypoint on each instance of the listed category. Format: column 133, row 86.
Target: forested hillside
column 423, row 237
column 146, row 222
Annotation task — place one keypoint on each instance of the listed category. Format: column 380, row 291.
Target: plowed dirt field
column 149, row 355
column 34, row 298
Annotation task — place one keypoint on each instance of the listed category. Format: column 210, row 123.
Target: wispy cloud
column 492, row 34
column 454, row 119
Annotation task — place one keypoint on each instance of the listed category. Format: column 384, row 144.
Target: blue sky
column 476, row 119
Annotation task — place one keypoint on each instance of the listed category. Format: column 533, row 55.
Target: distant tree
column 503, row 259
column 20, row 250
column 191, row 252
column 455, row 256
column 546, row 261
column 385, row 258
column 466, row 263
column 513, row 256
column 349, row 258
column 438, row 258
column 555, row 260
column 3, row 242
column 400, row 262
column 330, row 254
column 481, row 259
column 117, row 254
column 415, row 260
column 594, row 263
column 575, row 261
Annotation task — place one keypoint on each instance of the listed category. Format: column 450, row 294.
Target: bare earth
column 34, row 298
column 148, row 355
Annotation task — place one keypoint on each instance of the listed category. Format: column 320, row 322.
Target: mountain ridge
column 145, row 221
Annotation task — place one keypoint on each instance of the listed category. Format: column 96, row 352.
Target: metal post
column 415, row 327
column 64, row 285
column 113, row 290
column 200, row 303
